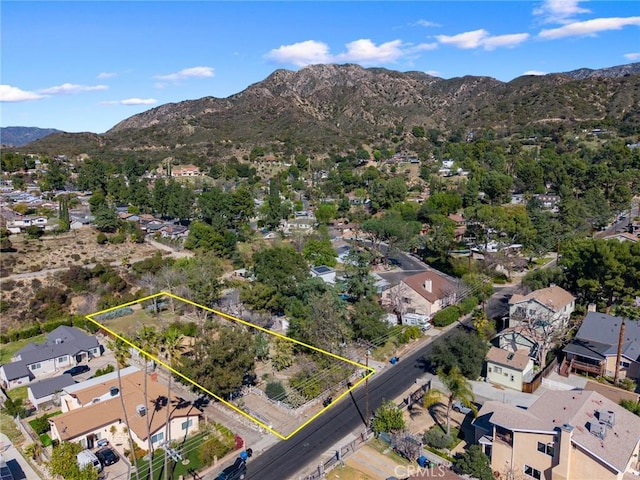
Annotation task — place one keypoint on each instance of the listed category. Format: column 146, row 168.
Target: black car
column 237, row 471
column 107, row 456
column 78, row 369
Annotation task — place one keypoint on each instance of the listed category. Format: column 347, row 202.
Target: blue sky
column 84, row 65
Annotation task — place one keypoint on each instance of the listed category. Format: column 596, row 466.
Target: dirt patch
column 78, row 247
column 35, row 264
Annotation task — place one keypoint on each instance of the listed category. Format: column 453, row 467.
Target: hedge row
column 446, row 316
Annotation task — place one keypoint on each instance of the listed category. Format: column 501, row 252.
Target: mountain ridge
column 320, row 107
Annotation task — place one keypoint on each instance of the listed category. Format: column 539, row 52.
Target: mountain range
column 19, row 136
column 323, row 107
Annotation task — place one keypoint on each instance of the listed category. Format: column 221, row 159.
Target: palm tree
column 172, row 349
column 122, row 354
column 459, row 388
column 147, row 339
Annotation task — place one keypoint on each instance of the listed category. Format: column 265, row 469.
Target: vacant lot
column 78, row 247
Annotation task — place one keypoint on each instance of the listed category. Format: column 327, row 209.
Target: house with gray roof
column 594, row 349
column 64, row 347
column 575, row 434
column 42, row 392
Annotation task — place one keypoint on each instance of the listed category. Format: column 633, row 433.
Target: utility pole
column 366, row 394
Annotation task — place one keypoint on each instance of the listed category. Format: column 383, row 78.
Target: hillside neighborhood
column 459, row 301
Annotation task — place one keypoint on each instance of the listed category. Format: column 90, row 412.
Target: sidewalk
column 18, row 465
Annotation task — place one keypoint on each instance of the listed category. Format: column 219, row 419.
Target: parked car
column 458, row 406
column 77, row 370
column 237, row 471
column 87, row 457
column 107, row 456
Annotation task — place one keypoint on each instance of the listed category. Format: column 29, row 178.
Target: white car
column 459, row 407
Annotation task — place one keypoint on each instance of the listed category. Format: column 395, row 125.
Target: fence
column 532, row 386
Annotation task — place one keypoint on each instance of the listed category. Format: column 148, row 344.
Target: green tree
column 149, row 341
column 220, row 361
column 105, row 217
column 14, row 407
column 474, row 462
column 462, row 350
column 358, row 283
column 319, row 251
column 458, row 388
column 388, row 418
column 5, row 243
column 282, row 356
column 326, row 212
column 367, row 319
column 122, row 354
column 64, row 221
column 172, row 348
column 64, row 463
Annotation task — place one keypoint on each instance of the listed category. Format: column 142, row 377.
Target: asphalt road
column 308, row 447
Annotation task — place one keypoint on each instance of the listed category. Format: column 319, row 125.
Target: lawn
column 19, row 393
column 190, row 452
column 7, row 350
column 9, row 428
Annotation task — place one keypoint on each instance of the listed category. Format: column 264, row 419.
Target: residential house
column 93, row 411
column 509, row 369
column 43, row 392
column 173, row 232
column 594, row 348
column 21, row 224
column 64, row 348
column 303, row 225
column 622, row 237
column 564, row 435
column 326, row 274
column 425, row 293
column 186, row 171
column 552, row 304
column 548, row 202
column 520, row 338
column 461, row 226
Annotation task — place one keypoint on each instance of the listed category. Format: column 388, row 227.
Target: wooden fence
column 532, row 386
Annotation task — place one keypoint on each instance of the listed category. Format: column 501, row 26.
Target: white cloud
column 433, row 73
column 508, row 41
column 534, row 72
column 367, row 52
column 187, row 73
column 103, row 75
column 632, row 56
column 559, row 11
column 589, row 27
column 482, row 38
column 425, row 23
column 301, row 54
column 132, row 101
column 465, row 40
column 14, row 94
column 362, row 51
column 71, row 89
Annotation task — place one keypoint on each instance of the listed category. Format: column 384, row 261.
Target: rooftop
column 554, row 297
column 49, row 386
column 105, row 412
column 441, row 287
column 516, row 360
column 578, row 408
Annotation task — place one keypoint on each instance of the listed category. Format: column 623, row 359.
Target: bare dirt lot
column 34, row 264
column 78, row 247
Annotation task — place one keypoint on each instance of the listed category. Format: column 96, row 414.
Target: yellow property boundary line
column 370, row 370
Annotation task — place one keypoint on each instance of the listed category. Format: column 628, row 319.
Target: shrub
column 40, row 425
column 103, row 371
column 101, row 239
column 436, row 438
column 467, row 305
column 446, row 316
column 275, row 391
